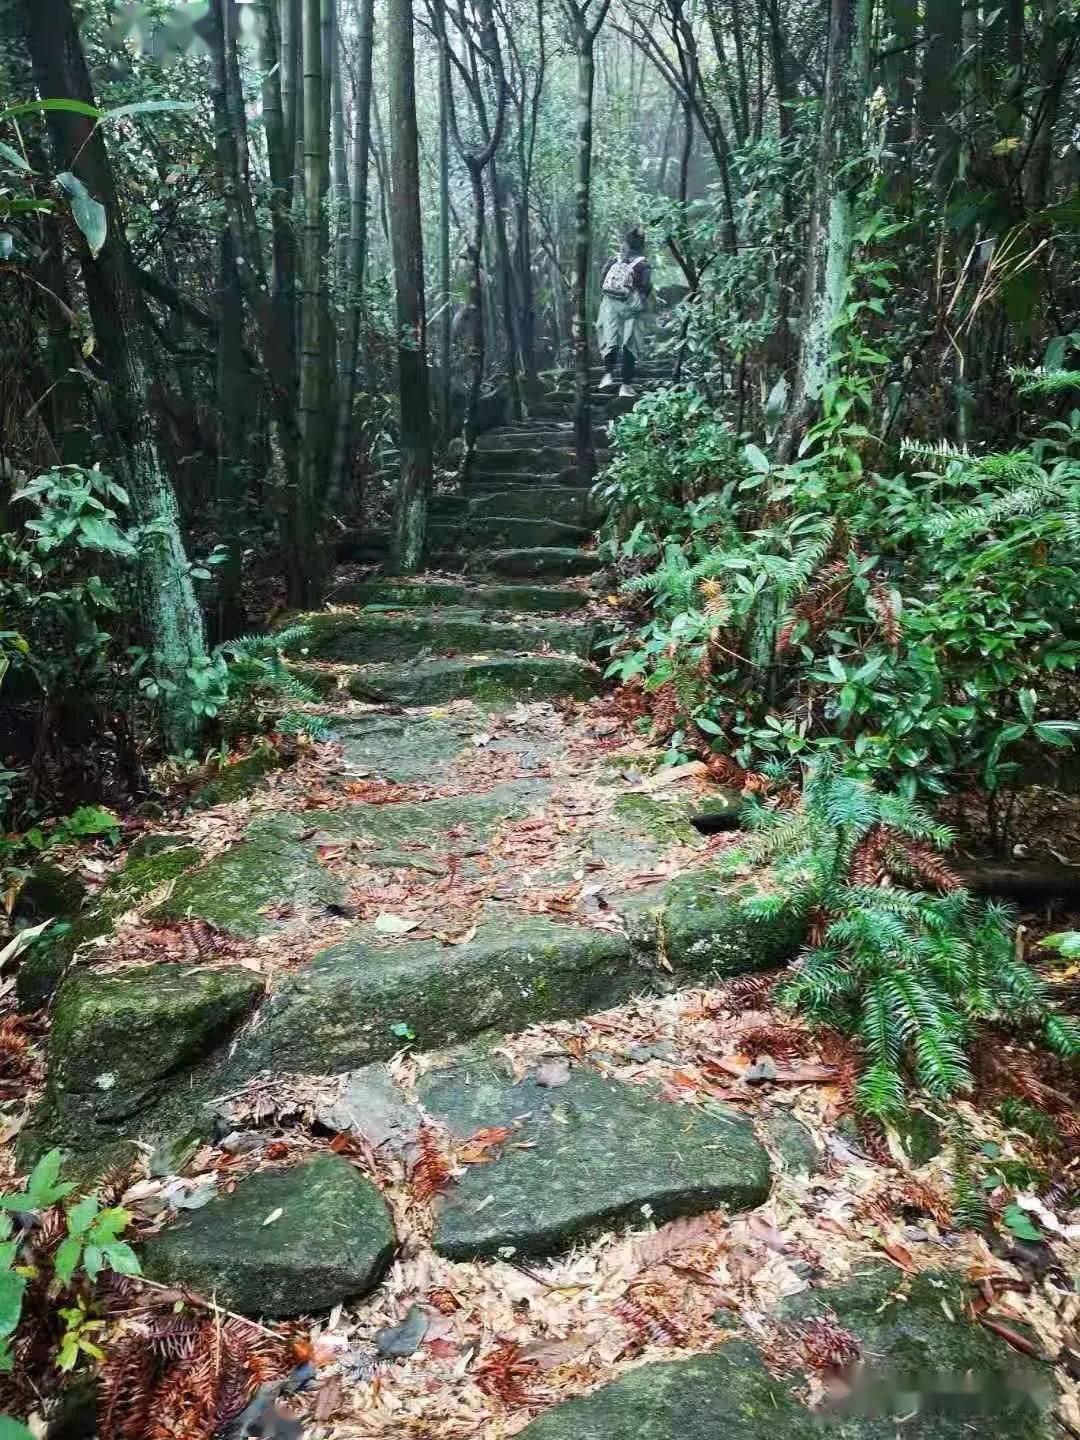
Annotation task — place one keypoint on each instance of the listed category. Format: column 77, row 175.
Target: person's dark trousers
column 629, row 363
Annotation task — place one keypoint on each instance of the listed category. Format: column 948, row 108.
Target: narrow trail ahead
column 412, row 940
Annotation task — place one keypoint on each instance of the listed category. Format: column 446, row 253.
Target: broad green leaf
column 148, row 107
column 12, row 1287
column 81, row 1215
column 122, row 1258
column 12, row 1429
column 92, row 1260
column 39, row 107
column 756, row 459
column 1017, row 1222
column 67, row 1259
column 14, row 158
column 89, row 213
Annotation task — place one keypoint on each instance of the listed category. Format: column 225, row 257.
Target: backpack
column 619, row 280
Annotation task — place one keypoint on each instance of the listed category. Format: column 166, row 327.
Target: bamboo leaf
column 89, row 214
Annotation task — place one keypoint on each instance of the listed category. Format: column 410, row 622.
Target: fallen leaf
column 388, row 924
column 274, row 1215
column 328, row 1398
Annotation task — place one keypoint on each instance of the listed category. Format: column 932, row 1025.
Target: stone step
column 536, row 434
column 493, row 481
column 358, row 637
column 920, row 1347
column 570, row 504
column 535, row 599
column 485, row 677
column 527, row 457
column 529, row 563
column 505, row 532
column 585, row 1157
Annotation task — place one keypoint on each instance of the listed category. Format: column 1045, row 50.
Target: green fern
column 907, row 972
column 1044, row 383
column 969, row 1208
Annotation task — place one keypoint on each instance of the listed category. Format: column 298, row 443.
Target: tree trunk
column 1051, row 75
column 169, row 611
column 446, row 317
column 938, row 99
column 341, row 467
column 279, row 120
column 340, row 172
column 303, row 573
column 414, row 483
column 584, row 453
column 829, row 241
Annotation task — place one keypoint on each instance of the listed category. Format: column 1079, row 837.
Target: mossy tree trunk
column 585, row 18
column 169, row 611
column 356, row 260
column 303, row 568
column 829, row 242
column 414, row 481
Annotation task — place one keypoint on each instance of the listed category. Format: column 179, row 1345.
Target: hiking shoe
column 627, row 392
column 608, row 382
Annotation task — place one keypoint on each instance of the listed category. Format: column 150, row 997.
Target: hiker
column 625, row 284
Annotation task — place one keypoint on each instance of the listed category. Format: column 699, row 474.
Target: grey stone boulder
column 927, row 1373
column 117, row 1041
column 595, row 1153
column 332, row 1241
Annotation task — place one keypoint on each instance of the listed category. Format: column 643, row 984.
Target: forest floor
column 411, row 1034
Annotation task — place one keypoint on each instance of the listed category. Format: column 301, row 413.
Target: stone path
column 473, row 854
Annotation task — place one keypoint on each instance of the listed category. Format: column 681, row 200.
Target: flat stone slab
column 489, row 678
column 533, row 598
column 284, row 1243
column 499, row 531
column 357, row 1002
column 268, row 867
column 547, row 502
column 549, row 560
column 599, row 1153
column 923, row 1375
column 362, row 637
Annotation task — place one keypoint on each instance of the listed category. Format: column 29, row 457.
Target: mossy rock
column 594, row 1153
column 799, row 1152
column 404, row 749
column 550, row 502
column 284, row 1243
column 506, row 532
column 239, row 778
column 927, row 1377
column 420, row 593
column 48, row 893
column 357, row 637
column 152, row 861
column 528, row 563
column 925, row 1358
column 118, row 1040
column 356, row 1001
column 920, row 1135
column 486, row 678
column 641, row 829
column 705, row 927
column 233, row 890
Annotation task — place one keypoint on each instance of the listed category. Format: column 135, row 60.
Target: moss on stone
column 407, row 594
column 116, row 1040
column 488, row 678
column 331, row 1241
column 548, row 560
column 596, row 1153
column 148, row 866
column 240, row 778
column 706, row 929
column 340, row 1012
column 233, row 890
column 359, row 637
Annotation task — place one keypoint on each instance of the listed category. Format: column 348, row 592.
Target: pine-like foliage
column 909, row 972
column 1042, row 383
